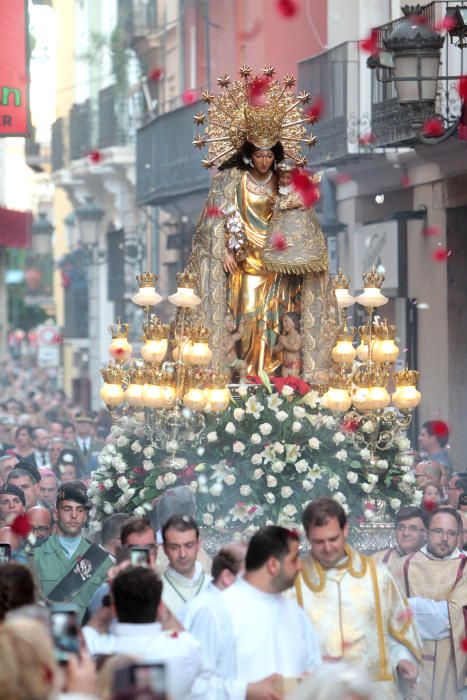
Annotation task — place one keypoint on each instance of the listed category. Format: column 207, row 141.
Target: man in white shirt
column 184, row 578
column 136, row 594
column 256, row 643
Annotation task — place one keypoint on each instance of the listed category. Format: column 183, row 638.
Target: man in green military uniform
column 69, row 568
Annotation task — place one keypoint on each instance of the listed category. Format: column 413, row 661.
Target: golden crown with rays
column 234, row 117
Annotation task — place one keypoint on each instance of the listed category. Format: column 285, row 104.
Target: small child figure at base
column 290, row 344
column 232, row 362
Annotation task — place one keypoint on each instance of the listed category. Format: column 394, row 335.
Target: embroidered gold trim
column 384, row 673
column 398, row 636
column 298, row 591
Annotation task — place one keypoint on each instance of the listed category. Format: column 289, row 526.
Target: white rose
column 170, row 478
column 207, row 519
column 255, row 439
column 368, row 488
column 245, row 490
column 148, row 452
column 417, row 498
column 406, row 460
column 369, row 514
column 136, row 446
column 329, row 422
column 289, row 510
column 301, row 466
column 257, row 474
column 122, row 483
column 286, row 492
column 382, row 464
column 339, row 497
column 341, row 455
column 238, row 446
column 139, row 510
column 230, row 428
column 368, row 427
column 216, row 489
column 242, row 390
column 352, row 477
column 108, row 483
column 160, row 483
column 307, row 485
column 265, row 428
column 408, row 478
column 287, row 390
column 372, row 478
column 220, row 523
column 230, row 479
column 338, row 437
column 282, row 416
column 212, row 436
column 296, row 426
column 239, row 414
column 122, row 441
column 147, row 465
column 395, row 504
column 270, row 497
column 299, row 412
column 278, row 466
column 256, row 459
column 313, row 443
column 403, row 444
column 333, row 482
column 271, row 481
column 108, row 508
column 365, row 453
column 279, row 447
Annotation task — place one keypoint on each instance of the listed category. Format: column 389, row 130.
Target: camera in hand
column 5, row 553
column 64, row 624
column 142, row 676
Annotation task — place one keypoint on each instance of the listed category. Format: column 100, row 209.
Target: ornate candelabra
column 172, row 385
column 359, row 387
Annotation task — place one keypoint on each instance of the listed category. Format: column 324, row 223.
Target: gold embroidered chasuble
column 360, row 616
column 444, row 663
column 255, row 293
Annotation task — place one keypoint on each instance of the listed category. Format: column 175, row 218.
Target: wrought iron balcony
column 334, row 76
column 137, row 17
column 391, row 123
column 167, row 164
column 81, row 141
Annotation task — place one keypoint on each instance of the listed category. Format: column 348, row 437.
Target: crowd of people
column 141, row 610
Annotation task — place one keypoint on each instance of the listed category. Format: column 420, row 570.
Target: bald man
column 427, row 472
column 41, row 522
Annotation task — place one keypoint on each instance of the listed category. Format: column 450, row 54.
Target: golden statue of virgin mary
column 248, row 135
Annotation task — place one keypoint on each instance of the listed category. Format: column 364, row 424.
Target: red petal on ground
column 405, row 181
column 440, row 254
column 316, row 109
column 287, row 8
column 366, row 139
column 189, row 96
column 95, row 156
column 430, row 231
column 156, row 74
column 21, row 525
column 278, row 241
column 370, row 44
column 213, row 212
column 433, row 127
column 251, row 33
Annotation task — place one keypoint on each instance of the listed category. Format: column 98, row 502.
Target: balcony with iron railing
column 391, row 123
column 334, row 76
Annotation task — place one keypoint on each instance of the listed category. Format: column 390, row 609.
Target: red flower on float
column 295, row 383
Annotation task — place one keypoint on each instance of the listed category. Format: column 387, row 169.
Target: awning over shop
column 15, row 228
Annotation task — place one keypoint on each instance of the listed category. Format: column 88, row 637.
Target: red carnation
column 189, row 96
column 440, row 429
column 257, row 89
column 463, row 645
column 370, row 44
column 441, row 254
column 429, row 504
column 156, row 74
column 462, row 87
column 366, row 139
column 433, row 127
column 278, row 241
column 303, row 184
column 350, row 426
column 21, row 525
column 212, row 212
column 287, row 8
column 446, row 23
column 95, row 156
column 315, row 110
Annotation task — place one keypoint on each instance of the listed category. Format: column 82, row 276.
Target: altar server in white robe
column 355, row 604
column 256, row 643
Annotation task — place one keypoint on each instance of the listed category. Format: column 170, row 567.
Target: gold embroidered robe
column 444, row 663
column 360, row 617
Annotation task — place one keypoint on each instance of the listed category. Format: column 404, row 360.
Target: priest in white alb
column 264, row 642
column 355, row 605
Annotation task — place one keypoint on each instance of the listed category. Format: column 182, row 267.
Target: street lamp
column 42, row 231
column 89, row 217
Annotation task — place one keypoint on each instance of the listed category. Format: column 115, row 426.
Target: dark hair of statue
column 241, row 158
column 270, row 541
column 317, row 513
column 136, row 593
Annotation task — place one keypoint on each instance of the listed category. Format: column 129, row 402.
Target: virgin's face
column 263, row 161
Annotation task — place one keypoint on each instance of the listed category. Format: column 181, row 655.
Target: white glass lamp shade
column 385, row 351
column 134, row 395
column 120, row 349
column 218, row 399
column 337, row 400
column 185, row 296
column 363, row 350
column 200, row 354
column 169, row 395
column 378, row 397
column 112, row 395
column 147, row 296
column 154, row 350
column 187, row 347
column 360, row 399
column 372, row 297
column 195, row 399
column 344, row 352
column 152, row 396
column 408, row 66
column 344, row 299
column 406, row 397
